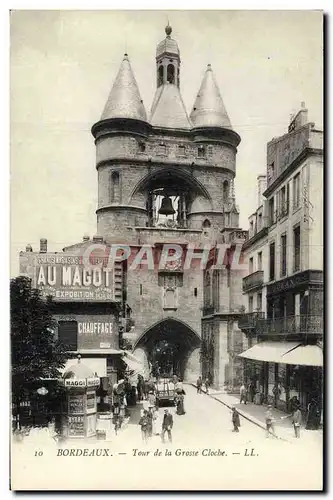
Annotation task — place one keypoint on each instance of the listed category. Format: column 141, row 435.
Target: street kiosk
column 79, row 421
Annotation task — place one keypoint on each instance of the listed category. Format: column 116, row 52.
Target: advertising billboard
column 66, row 278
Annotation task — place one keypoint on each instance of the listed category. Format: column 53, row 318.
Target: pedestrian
column 150, row 421
column 313, row 416
column 207, row 385
column 296, row 418
column 156, row 422
column 167, row 425
column 199, row 385
column 242, row 392
column 143, row 422
column 180, row 403
column 269, row 422
column 251, row 390
column 235, row 420
column 151, row 399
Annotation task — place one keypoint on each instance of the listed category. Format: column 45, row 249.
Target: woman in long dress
column 180, row 404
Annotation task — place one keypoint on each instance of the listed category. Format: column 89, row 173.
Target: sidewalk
column 256, row 414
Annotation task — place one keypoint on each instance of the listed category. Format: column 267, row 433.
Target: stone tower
column 186, row 163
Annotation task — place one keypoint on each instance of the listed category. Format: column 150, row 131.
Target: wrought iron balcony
column 248, row 321
column 291, row 325
column 253, row 280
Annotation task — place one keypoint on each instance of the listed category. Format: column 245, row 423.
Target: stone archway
column 173, row 346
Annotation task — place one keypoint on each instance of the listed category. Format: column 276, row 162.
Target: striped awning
column 289, row 353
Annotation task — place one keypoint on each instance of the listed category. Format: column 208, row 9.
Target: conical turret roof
column 209, row 109
column 168, row 109
column 124, row 100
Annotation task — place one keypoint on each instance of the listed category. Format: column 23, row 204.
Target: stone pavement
column 256, row 414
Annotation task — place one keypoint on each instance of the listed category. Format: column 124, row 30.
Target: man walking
column 144, row 424
column 199, row 385
column 235, row 420
column 242, row 392
column 167, row 426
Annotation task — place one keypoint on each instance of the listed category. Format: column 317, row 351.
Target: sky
column 62, row 67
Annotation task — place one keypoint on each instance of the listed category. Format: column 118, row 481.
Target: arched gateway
column 173, row 346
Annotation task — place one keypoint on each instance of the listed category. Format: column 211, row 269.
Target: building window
column 251, row 265
column 259, row 302
column 67, row 333
column 225, row 191
column 140, row 289
column 259, row 261
column 271, row 261
column 171, row 73
column 142, row 147
column 296, row 191
column 271, row 211
column 210, row 150
column 181, row 150
column 271, row 171
column 259, row 222
column 251, row 303
column 195, row 292
column 162, row 149
column 115, row 193
column 160, row 75
column 297, row 248
column 283, row 255
column 201, row 152
column 251, row 228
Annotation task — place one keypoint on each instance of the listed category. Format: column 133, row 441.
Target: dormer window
column 201, row 152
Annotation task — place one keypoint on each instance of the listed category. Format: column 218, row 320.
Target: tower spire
column 209, row 109
column 124, row 100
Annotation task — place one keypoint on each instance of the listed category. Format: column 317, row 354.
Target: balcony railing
column 253, row 280
column 291, row 325
column 249, row 321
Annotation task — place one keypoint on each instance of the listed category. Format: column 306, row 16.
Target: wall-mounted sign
column 96, row 328
column 66, row 278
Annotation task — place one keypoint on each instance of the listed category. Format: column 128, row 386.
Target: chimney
column 97, row 239
column 86, row 238
column 28, row 248
column 42, row 245
column 262, row 184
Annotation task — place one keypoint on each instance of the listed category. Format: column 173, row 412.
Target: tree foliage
column 35, row 352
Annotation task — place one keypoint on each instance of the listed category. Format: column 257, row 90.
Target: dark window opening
column 201, row 152
column 271, row 261
column 67, row 332
column 296, row 190
column 142, row 147
column 160, row 75
column 297, row 248
column 271, row 211
column 283, row 255
column 206, row 223
column 195, row 292
column 225, row 191
column 171, row 73
column 140, row 289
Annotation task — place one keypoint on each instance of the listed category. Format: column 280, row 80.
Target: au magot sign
column 66, row 278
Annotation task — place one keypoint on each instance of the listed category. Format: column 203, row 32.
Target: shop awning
column 97, row 365
column 269, row 351
column 307, row 355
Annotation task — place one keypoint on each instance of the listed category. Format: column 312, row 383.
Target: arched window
column 225, row 191
column 160, row 76
column 206, row 224
column 171, row 73
column 115, row 193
